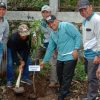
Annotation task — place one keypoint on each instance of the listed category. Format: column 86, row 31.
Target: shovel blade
column 19, row 90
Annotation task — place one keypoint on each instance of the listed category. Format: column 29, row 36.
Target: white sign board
column 34, row 67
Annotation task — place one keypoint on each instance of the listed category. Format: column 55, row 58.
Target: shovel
column 18, row 89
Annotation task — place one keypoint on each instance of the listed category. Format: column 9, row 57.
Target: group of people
column 62, row 41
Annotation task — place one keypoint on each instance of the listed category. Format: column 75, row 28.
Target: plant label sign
column 34, row 67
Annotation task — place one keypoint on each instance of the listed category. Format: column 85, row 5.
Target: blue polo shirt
column 66, row 39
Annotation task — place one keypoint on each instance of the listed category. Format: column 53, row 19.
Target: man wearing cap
column 4, row 29
column 18, row 50
column 46, row 11
column 66, row 38
column 91, row 43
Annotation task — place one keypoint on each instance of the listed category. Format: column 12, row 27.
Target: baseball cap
column 50, row 18
column 83, row 4
column 23, row 30
column 2, row 4
column 45, row 8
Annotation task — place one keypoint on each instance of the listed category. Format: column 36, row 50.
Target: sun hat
column 45, row 8
column 83, row 4
column 23, row 30
column 50, row 18
column 2, row 4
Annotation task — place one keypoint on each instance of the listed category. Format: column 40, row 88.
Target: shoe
column 27, row 81
column 97, row 98
column 52, row 84
column 60, row 97
column 9, row 84
column 85, row 98
column 68, row 93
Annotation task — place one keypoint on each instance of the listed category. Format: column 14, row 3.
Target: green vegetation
column 28, row 5
column 45, row 71
column 71, row 5
column 80, row 74
column 36, row 37
column 32, row 5
column 37, row 40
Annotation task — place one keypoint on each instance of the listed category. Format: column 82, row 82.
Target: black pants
column 86, row 65
column 65, row 73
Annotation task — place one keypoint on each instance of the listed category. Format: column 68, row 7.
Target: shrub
column 79, row 71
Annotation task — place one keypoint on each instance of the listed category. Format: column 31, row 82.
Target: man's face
column 86, row 12
column 2, row 11
column 46, row 14
column 23, row 37
column 53, row 24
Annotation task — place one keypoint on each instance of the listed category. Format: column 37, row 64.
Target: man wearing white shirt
column 91, row 43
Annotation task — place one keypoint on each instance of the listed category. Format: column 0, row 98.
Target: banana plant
column 36, row 37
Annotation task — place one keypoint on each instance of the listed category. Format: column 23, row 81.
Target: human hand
column 96, row 60
column 75, row 54
column 98, row 72
column 55, row 53
column 42, row 64
column 22, row 63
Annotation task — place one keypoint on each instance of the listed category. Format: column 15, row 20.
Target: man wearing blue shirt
column 66, row 38
column 4, row 29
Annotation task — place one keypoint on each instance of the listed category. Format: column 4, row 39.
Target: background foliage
column 26, row 4
column 32, row 5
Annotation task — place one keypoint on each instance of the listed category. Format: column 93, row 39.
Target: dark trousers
column 65, row 73
column 86, row 65
column 92, row 79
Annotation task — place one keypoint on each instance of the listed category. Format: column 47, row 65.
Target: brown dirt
column 43, row 92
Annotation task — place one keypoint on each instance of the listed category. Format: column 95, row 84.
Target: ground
column 43, row 92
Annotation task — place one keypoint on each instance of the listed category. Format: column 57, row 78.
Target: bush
column 80, row 74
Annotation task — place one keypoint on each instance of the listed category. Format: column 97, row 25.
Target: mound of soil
column 43, row 92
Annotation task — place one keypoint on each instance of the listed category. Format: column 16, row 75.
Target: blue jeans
column 1, row 52
column 10, row 66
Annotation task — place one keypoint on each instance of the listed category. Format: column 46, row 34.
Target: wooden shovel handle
column 18, row 79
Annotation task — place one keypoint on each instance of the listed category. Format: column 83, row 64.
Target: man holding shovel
column 18, row 50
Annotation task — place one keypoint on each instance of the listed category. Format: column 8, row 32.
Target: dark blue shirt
column 18, row 46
